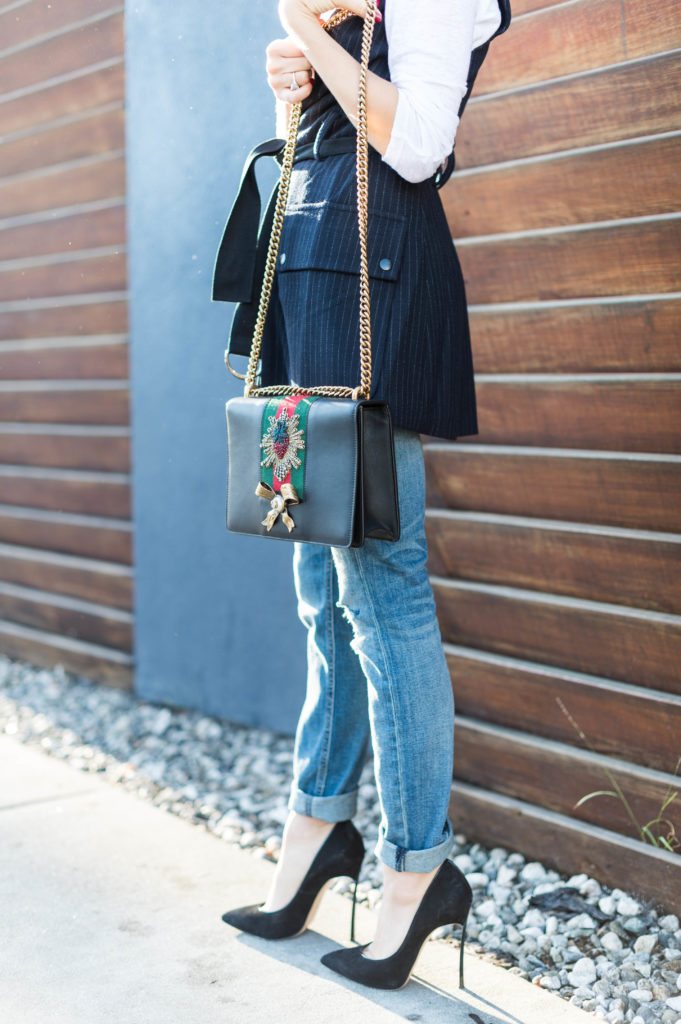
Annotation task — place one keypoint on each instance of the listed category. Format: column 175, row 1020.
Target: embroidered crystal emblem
column 281, row 443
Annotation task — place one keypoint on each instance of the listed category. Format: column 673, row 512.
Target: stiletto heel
column 354, row 903
column 447, row 900
column 341, row 854
column 463, row 937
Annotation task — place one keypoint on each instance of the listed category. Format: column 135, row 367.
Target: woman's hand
column 309, row 47
column 298, row 15
column 284, row 56
column 284, row 59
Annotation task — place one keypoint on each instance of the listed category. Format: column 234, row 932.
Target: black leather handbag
column 314, row 464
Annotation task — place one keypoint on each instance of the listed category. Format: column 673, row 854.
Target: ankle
column 302, row 828
column 403, row 888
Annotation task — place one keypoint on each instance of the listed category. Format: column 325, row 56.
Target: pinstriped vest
column 422, row 362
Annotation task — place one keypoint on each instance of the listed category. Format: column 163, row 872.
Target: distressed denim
column 377, row 671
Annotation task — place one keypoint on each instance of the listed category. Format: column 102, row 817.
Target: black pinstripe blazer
column 422, row 363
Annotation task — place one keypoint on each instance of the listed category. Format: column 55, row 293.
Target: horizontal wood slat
column 74, row 535
column 624, row 102
column 85, row 182
column 569, row 38
column 616, row 259
column 67, row 491
column 568, row 845
column 610, row 640
column 637, row 492
column 638, row 335
column 99, row 41
column 67, row 406
column 640, row 415
column 98, row 358
column 42, row 648
column 597, row 185
column 96, row 132
column 55, row 233
column 83, row 91
column 640, row 571
column 84, row 450
column 73, row 276
column 620, row 720
column 521, row 7
column 103, row 317
column 557, row 776
column 65, row 616
column 84, row 578
column 23, row 24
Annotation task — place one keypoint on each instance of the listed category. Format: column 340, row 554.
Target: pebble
column 486, row 908
column 641, row 995
column 501, row 894
column 583, row 972
column 611, row 941
column 635, row 925
column 580, row 923
column 234, row 781
column 533, row 919
column 645, row 943
column 533, row 872
column 477, row 880
column 628, row 907
column 506, row 874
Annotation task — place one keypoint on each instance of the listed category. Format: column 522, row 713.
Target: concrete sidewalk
column 111, row 913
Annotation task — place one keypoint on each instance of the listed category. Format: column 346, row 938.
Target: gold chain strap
column 332, row 391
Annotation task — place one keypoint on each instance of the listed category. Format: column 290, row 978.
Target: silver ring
column 294, row 82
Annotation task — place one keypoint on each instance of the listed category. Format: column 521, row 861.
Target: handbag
column 318, row 461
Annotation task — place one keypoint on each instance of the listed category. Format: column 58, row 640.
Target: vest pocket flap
column 325, row 236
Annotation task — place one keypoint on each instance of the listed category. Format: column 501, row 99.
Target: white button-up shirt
column 429, row 52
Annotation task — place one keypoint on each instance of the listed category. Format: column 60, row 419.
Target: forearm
column 340, row 72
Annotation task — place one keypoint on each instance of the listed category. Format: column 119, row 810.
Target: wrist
column 300, row 22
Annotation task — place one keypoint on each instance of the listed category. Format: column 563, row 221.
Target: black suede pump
column 341, row 854
column 447, row 900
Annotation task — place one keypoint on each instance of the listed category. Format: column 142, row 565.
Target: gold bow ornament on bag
column 279, row 502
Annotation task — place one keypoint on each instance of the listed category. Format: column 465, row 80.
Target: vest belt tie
column 234, row 274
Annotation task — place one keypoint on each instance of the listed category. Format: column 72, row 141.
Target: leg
column 333, row 730
column 389, row 601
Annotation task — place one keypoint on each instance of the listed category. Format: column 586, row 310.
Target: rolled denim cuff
column 326, row 808
column 400, row 859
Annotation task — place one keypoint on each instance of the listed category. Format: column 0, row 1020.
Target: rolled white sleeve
column 429, row 52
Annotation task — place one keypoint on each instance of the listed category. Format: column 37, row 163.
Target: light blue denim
column 376, row 669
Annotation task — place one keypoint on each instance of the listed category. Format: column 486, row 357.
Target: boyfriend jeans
column 376, row 668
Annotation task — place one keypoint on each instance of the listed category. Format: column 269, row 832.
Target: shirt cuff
column 413, row 151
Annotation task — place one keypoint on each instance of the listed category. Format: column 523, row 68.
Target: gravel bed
column 599, row 948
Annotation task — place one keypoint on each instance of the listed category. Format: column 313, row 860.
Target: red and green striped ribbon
column 293, row 404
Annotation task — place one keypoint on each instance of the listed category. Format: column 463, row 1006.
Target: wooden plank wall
column 65, row 531
column 555, row 533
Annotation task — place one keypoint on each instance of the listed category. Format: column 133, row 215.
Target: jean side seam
column 379, row 637
column 329, row 703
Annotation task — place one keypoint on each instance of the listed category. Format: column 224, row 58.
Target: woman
column 376, row 667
